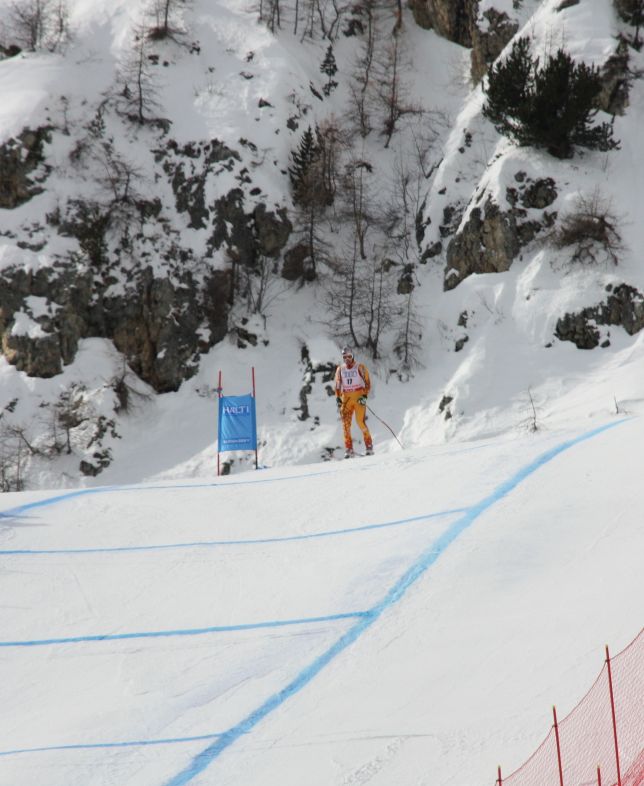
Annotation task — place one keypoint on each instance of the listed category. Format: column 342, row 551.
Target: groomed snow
column 409, row 618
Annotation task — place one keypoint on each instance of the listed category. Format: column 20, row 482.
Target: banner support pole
column 254, row 396
column 219, row 392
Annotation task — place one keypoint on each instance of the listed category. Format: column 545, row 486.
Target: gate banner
column 237, row 423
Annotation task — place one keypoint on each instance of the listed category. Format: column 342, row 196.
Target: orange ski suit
column 351, row 383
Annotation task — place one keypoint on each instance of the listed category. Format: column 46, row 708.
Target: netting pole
column 561, row 780
column 219, row 392
column 612, row 709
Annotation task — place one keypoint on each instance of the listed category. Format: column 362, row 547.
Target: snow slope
column 408, row 618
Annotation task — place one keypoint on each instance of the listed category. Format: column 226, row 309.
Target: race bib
column 351, row 379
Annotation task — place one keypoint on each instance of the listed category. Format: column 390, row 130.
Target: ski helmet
column 347, row 351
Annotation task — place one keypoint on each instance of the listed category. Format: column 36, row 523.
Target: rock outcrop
column 487, row 243
column 491, row 238
column 452, row 19
column 20, row 158
column 160, row 324
column 489, row 36
column 145, row 290
column 623, row 307
column 616, row 78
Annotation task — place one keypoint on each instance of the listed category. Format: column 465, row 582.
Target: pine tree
column 330, row 68
column 549, row 107
column 302, row 170
column 306, row 174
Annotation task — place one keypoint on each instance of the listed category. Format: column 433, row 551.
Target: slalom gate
column 601, row 742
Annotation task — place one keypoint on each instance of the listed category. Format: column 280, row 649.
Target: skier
column 352, row 386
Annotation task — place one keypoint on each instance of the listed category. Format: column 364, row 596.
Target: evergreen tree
column 309, row 195
column 330, row 68
column 549, row 106
column 302, row 170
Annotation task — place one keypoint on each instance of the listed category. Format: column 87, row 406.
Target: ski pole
column 387, row 425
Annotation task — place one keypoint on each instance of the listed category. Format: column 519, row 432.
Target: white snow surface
column 407, row 618
column 524, row 545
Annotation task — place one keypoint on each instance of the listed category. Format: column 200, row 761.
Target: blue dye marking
column 395, row 593
column 17, row 511
column 156, row 634
column 126, row 744
column 249, row 542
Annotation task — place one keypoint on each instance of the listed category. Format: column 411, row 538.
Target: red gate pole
column 499, row 779
column 599, row 776
column 253, row 374
column 219, row 392
column 561, row 780
column 612, row 709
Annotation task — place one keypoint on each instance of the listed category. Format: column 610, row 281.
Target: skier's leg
column 361, row 413
column 346, row 413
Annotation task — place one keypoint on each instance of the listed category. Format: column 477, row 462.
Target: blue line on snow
column 17, row 511
column 395, row 593
column 155, row 634
column 250, row 542
column 127, row 744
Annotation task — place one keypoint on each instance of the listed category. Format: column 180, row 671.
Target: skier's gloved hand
column 363, row 400
column 338, row 401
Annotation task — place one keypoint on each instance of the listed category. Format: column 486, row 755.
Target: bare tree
column 333, row 142
column 12, row 460
column 127, row 389
column 117, row 175
column 391, row 94
column 359, row 298
column 270, row 13
column 343, row 296
column 309, row 226
column 399, row 214
column 263, row 286
column 36, row 24
column 313, row 15
column 139, row 92
column 378, row 307
column 360, row 85
column 424, row 140
column 357, row 200
column 339, row 9
column 71, row 411
column 17, row 449
column 166, row 20
column 407, row 344
column 591, row 231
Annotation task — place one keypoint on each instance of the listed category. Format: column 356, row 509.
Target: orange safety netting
column 601, row 742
